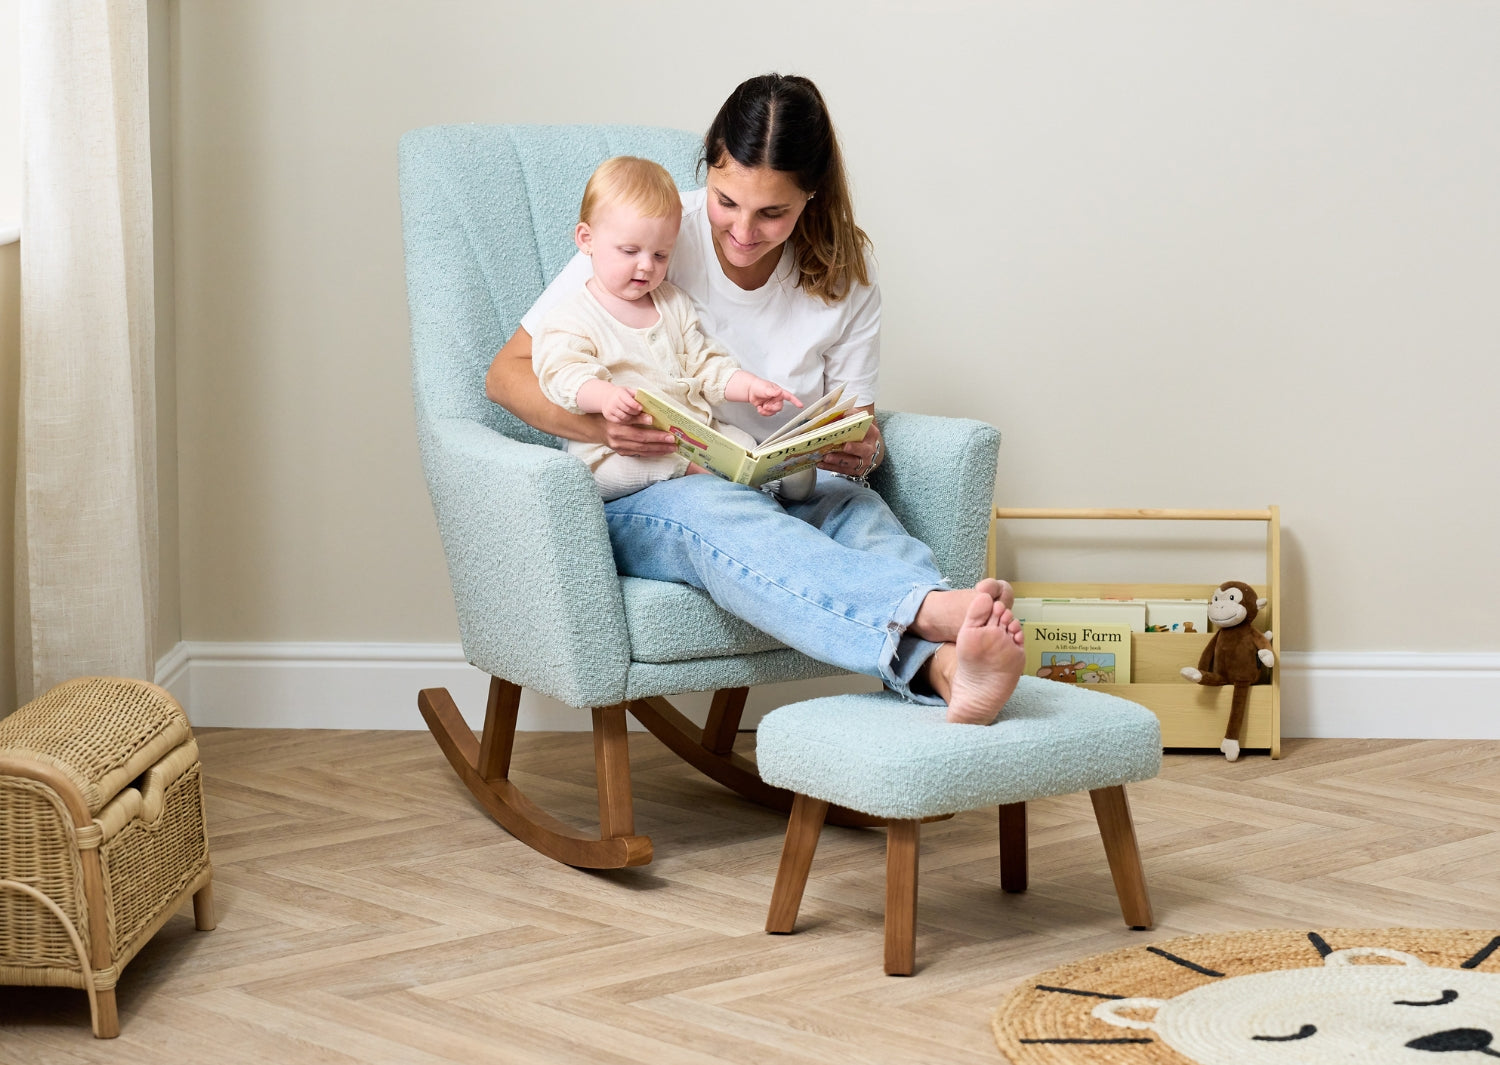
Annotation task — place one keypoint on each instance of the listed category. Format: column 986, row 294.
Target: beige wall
column 1182, row 254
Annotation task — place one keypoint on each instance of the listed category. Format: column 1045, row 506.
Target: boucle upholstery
column 881, row 755
column 487, row 216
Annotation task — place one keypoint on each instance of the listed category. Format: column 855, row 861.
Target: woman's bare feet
column 941, row 615
column 977, row 673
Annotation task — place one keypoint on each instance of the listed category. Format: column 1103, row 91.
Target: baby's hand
column 620, row 405
column 768, row 396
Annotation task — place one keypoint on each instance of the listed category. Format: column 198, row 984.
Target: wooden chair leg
column 501, row 799
column 1013, row 858
column 802, row 831
column 723, row 723
column 901, row 846
column 499, row 737
column 696, row 747
column 1112, row 810
column 612, row 764
column 203, row 908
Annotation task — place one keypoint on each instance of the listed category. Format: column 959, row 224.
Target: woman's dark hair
column 780, row 121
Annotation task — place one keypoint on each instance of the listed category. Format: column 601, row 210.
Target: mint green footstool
column 890, row 758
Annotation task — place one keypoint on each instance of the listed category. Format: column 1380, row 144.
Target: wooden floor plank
column 371, row 912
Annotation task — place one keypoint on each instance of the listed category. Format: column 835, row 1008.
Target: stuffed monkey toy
column 1234, row 654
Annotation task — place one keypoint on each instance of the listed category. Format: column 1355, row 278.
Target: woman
column 778, row 271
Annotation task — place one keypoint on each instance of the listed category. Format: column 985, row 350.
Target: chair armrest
column 533, row 577
column 939, row 479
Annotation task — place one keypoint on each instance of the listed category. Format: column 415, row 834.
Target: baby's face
column 630, row 252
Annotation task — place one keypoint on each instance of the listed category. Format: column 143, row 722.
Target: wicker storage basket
column 101, row 834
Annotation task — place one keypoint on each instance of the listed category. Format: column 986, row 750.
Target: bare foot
column 942, row 613
column 998, row 590
column 988, row 661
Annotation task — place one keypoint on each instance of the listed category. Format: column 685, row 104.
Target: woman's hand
column 857, row 457
column 635, row 438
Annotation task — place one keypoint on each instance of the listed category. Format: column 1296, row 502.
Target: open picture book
column 823, row 426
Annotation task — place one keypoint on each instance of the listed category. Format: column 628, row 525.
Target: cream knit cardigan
column 579, row 340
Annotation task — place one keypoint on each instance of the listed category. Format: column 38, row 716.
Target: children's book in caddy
column 821, row 427
column 1078, row 653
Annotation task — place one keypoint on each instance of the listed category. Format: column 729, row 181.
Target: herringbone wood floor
column 369, row 912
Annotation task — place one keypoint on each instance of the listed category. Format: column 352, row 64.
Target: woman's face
column 751, row 211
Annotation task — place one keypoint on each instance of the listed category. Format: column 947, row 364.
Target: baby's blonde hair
column 631, row 182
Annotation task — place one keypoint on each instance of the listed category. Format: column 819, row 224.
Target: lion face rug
column 1334, row 996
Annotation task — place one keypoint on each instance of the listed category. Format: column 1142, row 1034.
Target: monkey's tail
column 1236, row 727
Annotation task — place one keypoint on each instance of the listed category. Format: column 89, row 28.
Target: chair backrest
column 487, row 217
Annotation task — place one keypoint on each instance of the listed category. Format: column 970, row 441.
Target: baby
column 629, row 329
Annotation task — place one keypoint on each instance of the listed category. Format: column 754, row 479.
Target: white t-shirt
column 777, row 331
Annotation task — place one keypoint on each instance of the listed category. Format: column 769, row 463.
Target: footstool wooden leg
column 802, row 831
column 1013, row 864
column 1112, row 810
column 203, row 908
column 901, row 846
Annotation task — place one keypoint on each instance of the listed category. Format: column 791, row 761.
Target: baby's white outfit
column 578, row 340
column 777, row 331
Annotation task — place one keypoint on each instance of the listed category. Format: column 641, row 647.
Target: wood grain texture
column 902, row 844
column 803, row 828
column 721, row 728
column 499, row 736
column 370, row 911
column 612, row 770
column 1112, row 809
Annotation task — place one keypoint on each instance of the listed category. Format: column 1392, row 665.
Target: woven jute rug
column 1289, row 997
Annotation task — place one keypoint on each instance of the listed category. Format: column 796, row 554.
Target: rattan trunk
column 102, row 835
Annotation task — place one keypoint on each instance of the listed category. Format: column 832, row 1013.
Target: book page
column 695, row 440
column 849, row 427
column 804, row 417
column 806, row 449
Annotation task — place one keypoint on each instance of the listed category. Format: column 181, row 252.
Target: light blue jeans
column 834, row 576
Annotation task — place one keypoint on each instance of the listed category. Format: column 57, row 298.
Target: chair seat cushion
column 887, row 757
column 670, row 622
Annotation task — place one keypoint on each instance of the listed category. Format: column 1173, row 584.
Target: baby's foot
column 991, row 659
column 796, row 487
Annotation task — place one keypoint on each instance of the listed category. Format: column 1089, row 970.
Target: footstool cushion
column 882, row 755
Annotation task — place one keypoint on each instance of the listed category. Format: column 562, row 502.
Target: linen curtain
column 86, row 532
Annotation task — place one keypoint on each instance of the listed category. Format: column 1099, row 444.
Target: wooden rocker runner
column 486, row 214
column 484, row 766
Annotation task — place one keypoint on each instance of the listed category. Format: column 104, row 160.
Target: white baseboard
column 375, row 685
column 1391, row 695
column 1376, row 695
